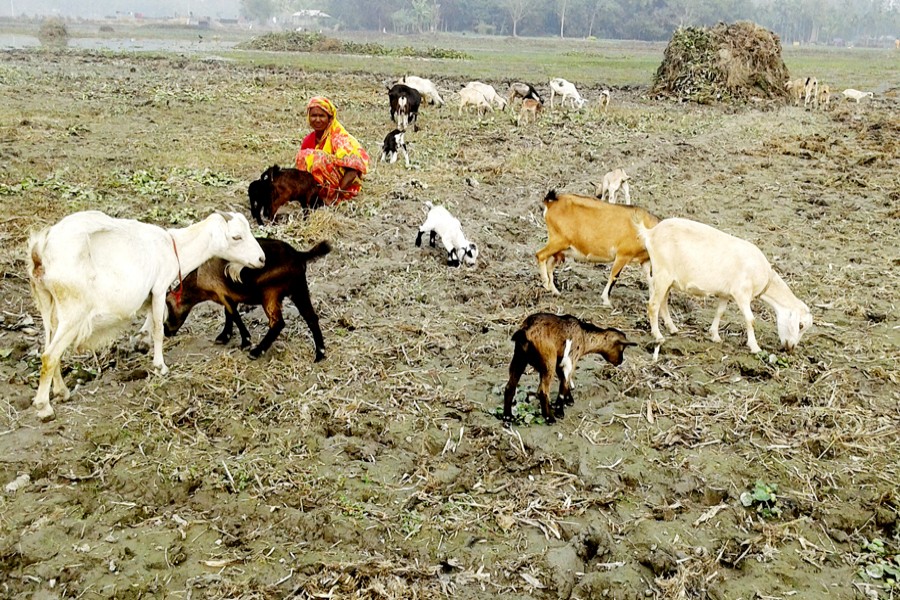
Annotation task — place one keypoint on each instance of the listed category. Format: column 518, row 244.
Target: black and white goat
column 405, row 103
column 440, row 222
column 394, row 144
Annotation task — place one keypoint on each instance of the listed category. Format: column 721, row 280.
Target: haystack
column 727, row 63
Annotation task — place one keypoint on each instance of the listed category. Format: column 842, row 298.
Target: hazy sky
column 102, row 8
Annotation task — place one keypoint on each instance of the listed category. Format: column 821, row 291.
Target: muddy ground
column 383, row 471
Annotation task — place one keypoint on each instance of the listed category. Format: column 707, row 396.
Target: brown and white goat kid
column 284, row 276
column 586, row 229
column 554, row 344
column 529, row 107
column 90, row 273
column 703, row 261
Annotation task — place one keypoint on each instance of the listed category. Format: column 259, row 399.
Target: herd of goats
column 91, row 273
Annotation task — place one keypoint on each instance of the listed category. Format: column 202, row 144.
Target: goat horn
column 225, row 215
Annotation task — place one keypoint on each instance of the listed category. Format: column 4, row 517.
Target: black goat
column 405, row 102
column 284, row 275
column 276, row 187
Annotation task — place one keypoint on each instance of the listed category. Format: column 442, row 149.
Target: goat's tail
column 319, row 250
column 429, row 205
column 637, row 218
column 550, row 197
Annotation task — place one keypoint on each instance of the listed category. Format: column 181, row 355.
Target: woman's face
column 318, row 119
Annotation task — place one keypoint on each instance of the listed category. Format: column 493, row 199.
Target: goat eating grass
column 552, row 343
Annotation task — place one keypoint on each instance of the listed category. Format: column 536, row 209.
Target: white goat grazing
column 704, row 261
column 440, row 222
column 811, row 92
column 567, row 90
column 90, row 273
column 851, row 94
column 612, row 181
column 424, row 87
column 489, row 93
column 472, row 97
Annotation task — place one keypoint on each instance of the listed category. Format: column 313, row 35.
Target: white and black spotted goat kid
column 439, row 222
column 394, row 144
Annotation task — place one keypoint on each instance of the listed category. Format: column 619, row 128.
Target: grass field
column 383, row 472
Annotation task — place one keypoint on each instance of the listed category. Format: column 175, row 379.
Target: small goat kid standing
column 552, row 343
column 394, row 144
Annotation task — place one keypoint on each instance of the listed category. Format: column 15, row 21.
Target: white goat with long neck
column 91, row 273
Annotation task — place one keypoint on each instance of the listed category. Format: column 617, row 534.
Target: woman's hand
column 350, row 175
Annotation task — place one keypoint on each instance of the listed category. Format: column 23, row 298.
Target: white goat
column 567, row 90
column 424, row 87
column 440, row 222
column 704, row 261
column 851, row 94
column 489, row 93
column 90, row 273
column 811, row 92
column 612, row 181
column 472, row 97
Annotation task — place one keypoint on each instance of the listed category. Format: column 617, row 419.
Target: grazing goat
column 525, row 91
column 824, row 96
column 851, row 94
column 394, row 144
column 440, row 222
column 283, row 276
column 586, row 229
column 567, row 90
column 811, row 92
column 276, row 187
column 529, row 107
column 424, row 87
column 90, row 273
column 489, row 93
column 611, row 183
column 603, row 101
column 704, row 261
column 473, row 97
column 405, row 103
column 795, row 89
column 553, row 344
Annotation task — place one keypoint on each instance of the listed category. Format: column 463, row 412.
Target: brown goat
column 552, row 343
column 276, row 187
column 284, row 275
column 591, row 230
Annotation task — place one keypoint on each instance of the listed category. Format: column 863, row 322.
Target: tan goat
column 587, row 229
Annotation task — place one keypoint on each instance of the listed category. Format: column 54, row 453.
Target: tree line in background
column 806, row 21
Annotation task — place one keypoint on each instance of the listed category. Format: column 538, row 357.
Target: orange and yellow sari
column 327, row 159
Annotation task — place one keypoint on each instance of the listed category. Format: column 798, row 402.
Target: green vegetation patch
column 305, row 41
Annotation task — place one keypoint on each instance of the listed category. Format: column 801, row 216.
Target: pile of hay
column 54, row 33
column 728, row 63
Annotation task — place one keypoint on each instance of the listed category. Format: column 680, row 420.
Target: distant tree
column 518, row 10
column 561, row 6
column 259, row 10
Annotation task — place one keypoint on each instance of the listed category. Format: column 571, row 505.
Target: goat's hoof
column 255, row 353
column 221, row 341
column 569, row 401
column 46, row 415
column 320, row 356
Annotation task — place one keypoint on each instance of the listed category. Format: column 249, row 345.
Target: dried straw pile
column 728, row 63
column 54, row 33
